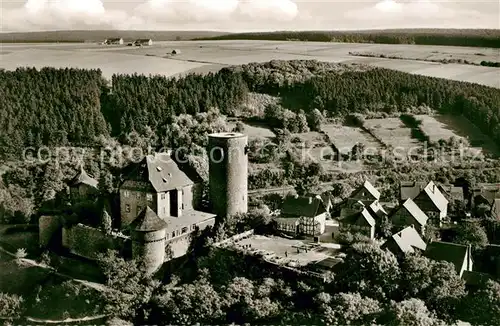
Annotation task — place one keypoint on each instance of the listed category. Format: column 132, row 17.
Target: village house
column 302, row 216
column 366, row 194
column 377, row 210
column 405, row 241
column 409, row 214
column 495, row 209
column 433, row 203
column 82, row 186
column 157, row 182
column 459, row 255
column 485, row 194
column 410, row 190
column 357, row 219
column 453, row 193
column 176, row 51
column 143, row 42
column 115, row 41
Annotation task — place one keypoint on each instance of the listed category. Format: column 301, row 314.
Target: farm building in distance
column 143, row 41
column 115, row 41
column 176, row 51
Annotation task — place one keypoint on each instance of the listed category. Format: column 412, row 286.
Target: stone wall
column 88, row 242
column 50, row 229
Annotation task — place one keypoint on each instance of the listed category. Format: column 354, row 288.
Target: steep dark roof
column 371, row 189
column 436, row 196
column 148, row 221
column 302, row 206
column 408, row 239
column 160, row 171
column 83, row 178
column 415, row 211
column 475, row 278
column 495, row 209
column 453, row 192
column 361, row 218
column 410, row 190
column 447, row 251
column 489, row 191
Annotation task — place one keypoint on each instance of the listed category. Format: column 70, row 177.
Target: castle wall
column 228, row 169
column 50, row 230
column 88, row 242
column 149, row 247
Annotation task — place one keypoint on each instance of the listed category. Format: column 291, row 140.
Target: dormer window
column 165, row 180
column 149, row 197
column 169, row 175
column 159, row 169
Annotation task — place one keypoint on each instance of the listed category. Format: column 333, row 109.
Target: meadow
column 208, row 56
column 344, row 137
column 392, row 132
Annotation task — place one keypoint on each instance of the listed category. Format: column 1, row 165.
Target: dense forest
column 454, row 37
column 52, row 107
column 70, row 106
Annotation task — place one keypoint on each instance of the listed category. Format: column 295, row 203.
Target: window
column 164, row 211
column 126, row 193
column 194, row 226
column 163, row 196
column 182, row 205
column 149, row 197
column 127, row 208
column 173, row 234
column 184, row 230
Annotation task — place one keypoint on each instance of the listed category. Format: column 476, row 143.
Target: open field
column 462, row 128
column 255, row 130
column 344, row 137
column 392, row 132
column 207, row 56
column 439, row 53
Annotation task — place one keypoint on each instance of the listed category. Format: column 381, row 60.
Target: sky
column 246, row 15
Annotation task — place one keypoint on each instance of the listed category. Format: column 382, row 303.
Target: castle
column 159, row 205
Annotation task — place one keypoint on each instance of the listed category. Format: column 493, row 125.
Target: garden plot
column 392, row 132
column 254, row 130
column 344, row 137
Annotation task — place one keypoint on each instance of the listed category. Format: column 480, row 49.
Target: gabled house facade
column 357, row 219
column 157, row 182
column 366, row 194
column 433, row 203
column 82, row 186
column 142, row 42
column 409, row 214
column 406, row 241
column 459, row 255
column 485, row 194
column 302, row 216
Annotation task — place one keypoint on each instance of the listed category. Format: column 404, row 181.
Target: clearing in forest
column 344, row 137
column 446, row 126
column 254, row 130
column 392, row 132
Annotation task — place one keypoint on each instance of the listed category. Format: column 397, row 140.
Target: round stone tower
column 228, row 173
column 148, row 240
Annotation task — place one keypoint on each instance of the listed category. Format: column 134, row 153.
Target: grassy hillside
column 100, row 35
column 453, row 37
